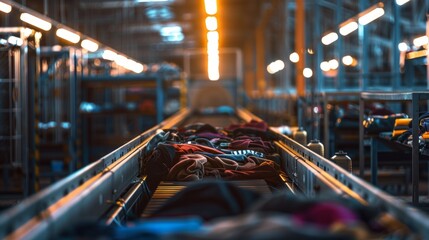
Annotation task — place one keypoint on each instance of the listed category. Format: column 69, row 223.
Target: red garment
column 192, row 148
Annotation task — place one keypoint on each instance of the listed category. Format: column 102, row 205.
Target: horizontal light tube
column 401, row 2
column 329, row 38
column 348, row 28
column 211, row 7
column 6, row 8
column 109, row 55
column 371, row 16
column 89, row 45
column 35, row 21
column 68, row 35
column 420, row 41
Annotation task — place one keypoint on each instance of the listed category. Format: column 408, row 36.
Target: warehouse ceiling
column 162, row 30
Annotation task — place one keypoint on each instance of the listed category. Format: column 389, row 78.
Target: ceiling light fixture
column 109, row 55
column 420, row 41
column 211, row 23
column 401, row 2
column 211, row 7
column 89, row 45
column 68, row 35
column 371, row 14
column 329, row 38
column 15, row 40
column 348, row 28
column 35, row 21
column 6, row 8
column 403, row 47
column 325, row 66
column 294, row 57
column 333, row 64
column 307, row 72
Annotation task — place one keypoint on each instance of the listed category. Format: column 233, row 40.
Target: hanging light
column 329, row 38
column 325, row 66
column 211, row 7
column 68, row 35
column 371, row 14
column 6, row 8
column 307, row 72
column 89, row 45
column 35, row 21
column 333, row 64
column 294, row 57
column 348, row 28
column 211, row 23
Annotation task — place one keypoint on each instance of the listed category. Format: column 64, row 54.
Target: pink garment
column 326, row 214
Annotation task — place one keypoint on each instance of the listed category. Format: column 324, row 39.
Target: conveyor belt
column 168, row 189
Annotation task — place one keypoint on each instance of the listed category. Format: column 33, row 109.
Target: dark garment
column 253, row 143
column 210, row 135
column 252, row 128
column 158, row 164
column 261, row 226
column 268, row 170
column 208, row 200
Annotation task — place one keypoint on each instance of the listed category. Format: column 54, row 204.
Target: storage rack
column 18, row 83
column 110, row 90
column 57, row 119
column 415, row 98
column 326, row 99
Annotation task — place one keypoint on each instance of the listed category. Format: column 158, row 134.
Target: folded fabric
column 401, row 125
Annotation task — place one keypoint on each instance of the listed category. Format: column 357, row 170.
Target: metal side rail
column 86, row 194
column 298, row 161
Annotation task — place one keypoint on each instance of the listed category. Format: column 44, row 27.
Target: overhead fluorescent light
column 403, row 47
column 213, row 36
column 109, row 55
column 307, row 72
column 294, row 57
column 420, row 41
column 348, row 28
column 325, row 66
column 371, row 16
column 15, row 40
column 121, row 60
column 169, row 30
column 89, row 45
column 68, row 35
column 211, row 7
column 35, row 21
column 348, row 60
column 329, row 38
column 6, row 8
column 333, row 64
column 211, row 23
column 401, row 2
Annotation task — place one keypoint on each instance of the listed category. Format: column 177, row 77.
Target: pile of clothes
column 219, row 209
column 199, row 151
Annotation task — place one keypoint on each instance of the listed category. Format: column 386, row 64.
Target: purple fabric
column 252, row 125
column 210, row 135
column 325, row 214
